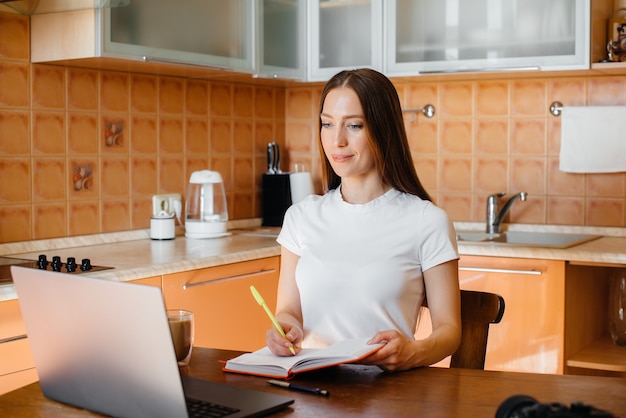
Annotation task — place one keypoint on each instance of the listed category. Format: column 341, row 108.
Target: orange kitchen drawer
column 15, row 356
column 17, row 380
column 11, row 323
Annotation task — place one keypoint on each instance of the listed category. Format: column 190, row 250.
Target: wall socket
column 164, row 202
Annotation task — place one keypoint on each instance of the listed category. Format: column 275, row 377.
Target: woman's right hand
column 280, row 345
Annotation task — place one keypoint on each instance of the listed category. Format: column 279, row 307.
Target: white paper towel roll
column 301, row 186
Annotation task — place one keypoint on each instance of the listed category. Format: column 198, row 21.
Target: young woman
column 359, row 261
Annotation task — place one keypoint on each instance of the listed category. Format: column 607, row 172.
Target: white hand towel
column 593, row 139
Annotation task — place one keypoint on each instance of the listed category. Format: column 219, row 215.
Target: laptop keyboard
column 200, row 409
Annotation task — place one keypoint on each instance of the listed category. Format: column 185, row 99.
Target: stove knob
column 86, row 265
column 70, row 266
column 42, row 262
column 56, row 263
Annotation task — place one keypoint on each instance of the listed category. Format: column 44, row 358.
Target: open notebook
column 263, row 363
column 106, row 346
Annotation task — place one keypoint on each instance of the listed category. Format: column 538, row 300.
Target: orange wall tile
column 83, row 150
column 49, row 179
column 82, row 133
column 114, row 91
column 48, row 87
column 84, row 217
column 82, row 89
column 15, row 181
column 14, row 132
column 143, row 93
column 14, row 37
column 50, row 220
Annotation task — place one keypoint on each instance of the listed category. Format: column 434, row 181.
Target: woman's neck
column 360, row 192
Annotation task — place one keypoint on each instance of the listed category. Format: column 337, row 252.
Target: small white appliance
column 206, row 212
column 162, row 226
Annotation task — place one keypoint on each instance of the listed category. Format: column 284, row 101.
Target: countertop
column 135, row 256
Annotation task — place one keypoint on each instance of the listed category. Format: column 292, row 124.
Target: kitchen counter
column 609, row 249
column 135, row 256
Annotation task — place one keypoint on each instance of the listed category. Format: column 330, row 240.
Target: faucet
column 494, row 218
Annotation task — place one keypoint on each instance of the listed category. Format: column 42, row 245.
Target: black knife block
column 276, row 198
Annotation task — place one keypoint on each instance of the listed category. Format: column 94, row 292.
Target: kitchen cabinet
column 150, row 281
column 17, row 368
column 589, row 349
column 429, row 36
column 601, row 12
column 210, row 33
column 281, row 39
column 226, row 315
column 555, row 318
column 343, row 34
column 313, row 40
column 530, row 336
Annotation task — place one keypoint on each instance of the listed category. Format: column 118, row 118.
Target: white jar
column 162, row 226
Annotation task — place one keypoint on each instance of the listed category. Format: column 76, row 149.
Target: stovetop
column 43, row 263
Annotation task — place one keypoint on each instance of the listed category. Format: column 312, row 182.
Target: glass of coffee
column 182, row 330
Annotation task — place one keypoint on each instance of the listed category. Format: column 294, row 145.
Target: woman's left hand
column 399, row 353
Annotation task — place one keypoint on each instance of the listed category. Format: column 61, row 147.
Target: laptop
column 105, row 346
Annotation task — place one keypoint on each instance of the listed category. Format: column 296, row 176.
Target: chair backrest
column 478, row 311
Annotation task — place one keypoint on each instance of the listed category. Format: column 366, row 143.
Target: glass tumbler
column 182, row 329
column 617, row 306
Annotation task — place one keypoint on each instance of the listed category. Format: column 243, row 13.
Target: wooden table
column 366, row 391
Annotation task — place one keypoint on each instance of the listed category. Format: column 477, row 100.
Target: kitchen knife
column 271, row 156
column 277, row 169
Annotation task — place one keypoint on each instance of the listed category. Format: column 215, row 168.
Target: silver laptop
column 105, row 346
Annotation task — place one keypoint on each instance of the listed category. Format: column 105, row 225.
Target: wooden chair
column 478, row 311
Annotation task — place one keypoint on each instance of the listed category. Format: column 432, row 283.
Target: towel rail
column 428, row 111
column 556, row 108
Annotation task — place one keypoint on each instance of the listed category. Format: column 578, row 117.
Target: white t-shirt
column 360, row 267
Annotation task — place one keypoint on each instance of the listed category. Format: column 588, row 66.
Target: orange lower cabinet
column 226, row 315
column 17, row 368
column 150, row 281
column 530, row 336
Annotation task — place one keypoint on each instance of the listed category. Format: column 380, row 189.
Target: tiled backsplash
column 82, row 150
column 492, row 136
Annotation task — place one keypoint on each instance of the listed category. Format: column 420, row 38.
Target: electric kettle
column 206, row 213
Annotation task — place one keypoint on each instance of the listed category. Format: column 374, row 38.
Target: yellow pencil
column 261, row 301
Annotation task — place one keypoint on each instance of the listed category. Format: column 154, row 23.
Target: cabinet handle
column 239, row 276
column 505, row 271
column 159, row 60
column 481, row 70
column 17, row 337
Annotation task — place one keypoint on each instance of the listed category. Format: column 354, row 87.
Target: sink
column 526, row 239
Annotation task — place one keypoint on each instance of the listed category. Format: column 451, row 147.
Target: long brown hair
column 385, row 125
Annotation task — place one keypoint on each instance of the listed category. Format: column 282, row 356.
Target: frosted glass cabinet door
column 214, row 33
column 481, row 35
column 281, row 38
column 344, row 34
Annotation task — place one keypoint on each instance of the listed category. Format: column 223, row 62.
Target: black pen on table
column 293, row 386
